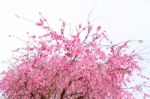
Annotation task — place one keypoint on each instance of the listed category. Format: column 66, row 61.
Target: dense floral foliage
column 55, row 66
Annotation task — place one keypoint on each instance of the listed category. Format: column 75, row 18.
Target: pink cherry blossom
column 55, row 66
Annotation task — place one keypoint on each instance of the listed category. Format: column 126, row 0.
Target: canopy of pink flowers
column 54, row 66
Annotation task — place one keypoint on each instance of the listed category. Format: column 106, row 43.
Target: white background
column 122, row 19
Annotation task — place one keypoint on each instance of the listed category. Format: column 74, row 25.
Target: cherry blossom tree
column 55, row 66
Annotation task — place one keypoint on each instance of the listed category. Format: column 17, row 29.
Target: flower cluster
column 54, row 66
